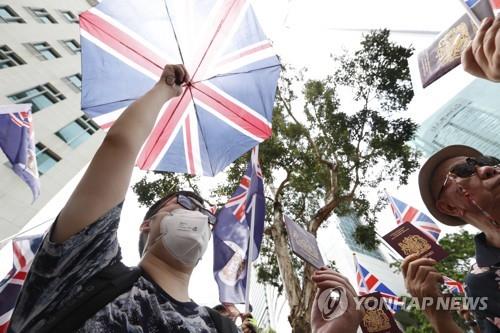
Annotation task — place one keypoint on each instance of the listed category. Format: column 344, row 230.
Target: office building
column 40, row 64
column 472, row 118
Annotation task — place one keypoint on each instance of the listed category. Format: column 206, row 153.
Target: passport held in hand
column 303, row 244
column 407, row 239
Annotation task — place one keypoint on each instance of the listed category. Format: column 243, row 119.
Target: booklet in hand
column 303, row 243
column 407, row 239
column 377, row 317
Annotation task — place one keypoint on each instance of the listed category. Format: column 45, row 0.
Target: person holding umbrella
column 77, row 281
column 459, row 186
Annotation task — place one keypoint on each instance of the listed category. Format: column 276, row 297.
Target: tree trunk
column 298, row 318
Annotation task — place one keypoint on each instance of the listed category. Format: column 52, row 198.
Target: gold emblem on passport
column 452, row 44
column 414, row 244
column 376, row 320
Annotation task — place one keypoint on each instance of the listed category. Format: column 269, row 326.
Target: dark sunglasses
column 468, row 168
column 192, row 204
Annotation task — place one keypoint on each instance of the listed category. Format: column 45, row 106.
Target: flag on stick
column 453, row 286
column 406, row 213
column 17, row 140
column 369, row 283
column 234, row 241
column 24, row 250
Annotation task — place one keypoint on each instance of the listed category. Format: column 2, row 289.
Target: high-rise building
column 40, row 64
column 338, row 245
column 472, row 117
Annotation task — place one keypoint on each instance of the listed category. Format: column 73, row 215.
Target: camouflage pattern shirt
column 59, row 271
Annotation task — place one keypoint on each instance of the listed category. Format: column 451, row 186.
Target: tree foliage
column 331, row 145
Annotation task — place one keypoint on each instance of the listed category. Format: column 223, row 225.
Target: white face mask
column 185, row 234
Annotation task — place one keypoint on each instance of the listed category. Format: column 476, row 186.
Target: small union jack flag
column 406, row 213
column 453, row 286
column 24, row 250
column 369, row 283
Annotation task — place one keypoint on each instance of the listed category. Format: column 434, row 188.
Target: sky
column 305, row 33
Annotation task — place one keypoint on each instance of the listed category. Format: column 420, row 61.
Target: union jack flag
column 226, row 108
column 453, row 286
column 369, row 283
column 232, row 234
column 406, row 213
column 495, row 5
column 24, row 250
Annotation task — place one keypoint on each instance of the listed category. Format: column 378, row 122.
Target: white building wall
column 15, row 196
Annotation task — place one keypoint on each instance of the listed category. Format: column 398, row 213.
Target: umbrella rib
column 213, row 38
column 202, row 133
column 236, row 73
column 173, row 30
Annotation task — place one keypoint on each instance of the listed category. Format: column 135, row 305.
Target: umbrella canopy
column 224, row 111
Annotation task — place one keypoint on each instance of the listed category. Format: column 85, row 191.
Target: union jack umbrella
column 406, row 213
column 24, row 250
column 226, row 108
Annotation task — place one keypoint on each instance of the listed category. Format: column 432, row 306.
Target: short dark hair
column 154, row 208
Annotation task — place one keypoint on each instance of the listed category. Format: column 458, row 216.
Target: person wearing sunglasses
column 81, row 250
column 460, row 186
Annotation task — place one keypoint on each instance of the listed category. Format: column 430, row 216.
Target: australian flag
column 406, row 213
column 369, row 283
column 24, row 250
column 17, row 140
column 232, row 233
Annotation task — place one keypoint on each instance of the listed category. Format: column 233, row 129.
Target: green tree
column 460, row 247
column 326, row 157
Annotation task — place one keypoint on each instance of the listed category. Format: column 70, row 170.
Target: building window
column 42, row 15
column 8, row 15
column 72, row 45
column 40, row 97
column 9, row 58
column 45, row 51
column 75, row 81
column 69, row 16
column 45, row 158
column 77, row 131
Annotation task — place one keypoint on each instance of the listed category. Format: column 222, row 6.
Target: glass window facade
column 40, row 96
column 43, row 15
column 72, row 45
column 77, row 132
column 45, row 158
column 471, row 118
column 8, row 15
column 69, row 16
column 9, row 58
column 75, row 80
column 347, row 226
column 46, row 51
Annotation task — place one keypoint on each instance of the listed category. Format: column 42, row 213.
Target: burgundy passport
column 407, row 239
column 377, row 318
